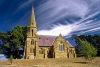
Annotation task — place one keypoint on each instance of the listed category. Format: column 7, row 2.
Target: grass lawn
column 78, row 62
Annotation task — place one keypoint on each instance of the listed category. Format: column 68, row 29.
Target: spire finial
column 60, row 34
column 32, row 8
column 32, row 11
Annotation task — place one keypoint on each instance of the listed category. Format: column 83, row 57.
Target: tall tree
column 14, row 40
column 87, row 50
column 1, row 42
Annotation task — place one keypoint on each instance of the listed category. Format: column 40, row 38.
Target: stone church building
column 44, row 46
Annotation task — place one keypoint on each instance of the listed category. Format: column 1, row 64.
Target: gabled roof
column 45, row 40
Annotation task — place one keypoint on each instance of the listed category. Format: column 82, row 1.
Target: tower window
column 32, row 41
column 32, row 32
column 61, row 47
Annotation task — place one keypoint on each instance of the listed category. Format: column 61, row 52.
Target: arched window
column 32, row 32
column 32, row 41
column 61, row 47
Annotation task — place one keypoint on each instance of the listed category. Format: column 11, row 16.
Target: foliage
column 13, row 40
column 0, row 50
column 87, row 50
column 0, row 43
column 92, row 39
column 78, row 45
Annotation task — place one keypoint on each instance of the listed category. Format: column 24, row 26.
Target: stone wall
column 66, row 53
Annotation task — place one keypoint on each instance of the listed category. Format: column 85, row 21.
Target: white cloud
column 60, row 29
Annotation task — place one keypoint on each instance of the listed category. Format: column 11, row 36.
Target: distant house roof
column 45, row 40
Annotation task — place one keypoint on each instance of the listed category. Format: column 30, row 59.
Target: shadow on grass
column 81, row 62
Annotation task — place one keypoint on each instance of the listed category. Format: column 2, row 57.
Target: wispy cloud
column 66, row 8
column 27, row 3
column 52, row 12
column 83, row 26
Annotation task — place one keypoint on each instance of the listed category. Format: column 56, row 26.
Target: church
column 45, row 46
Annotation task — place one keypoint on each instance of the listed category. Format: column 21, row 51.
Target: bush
column 11, row 59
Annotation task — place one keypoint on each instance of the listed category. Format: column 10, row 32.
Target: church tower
column 31, row 44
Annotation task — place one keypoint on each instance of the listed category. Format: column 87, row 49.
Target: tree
column 0, row 43
column 87, row 50
column 78, row 44
column 13, row 40
column 92, row 39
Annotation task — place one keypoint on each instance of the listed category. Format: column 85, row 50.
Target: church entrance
column 50, row 54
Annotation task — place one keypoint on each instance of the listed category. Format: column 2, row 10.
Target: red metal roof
column 45, row 40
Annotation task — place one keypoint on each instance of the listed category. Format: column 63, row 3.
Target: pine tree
column 87, row 50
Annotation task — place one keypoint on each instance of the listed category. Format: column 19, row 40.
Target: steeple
column 32, row 22
column 31, row 27
column 31, row 43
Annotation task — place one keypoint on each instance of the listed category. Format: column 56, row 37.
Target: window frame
column 32, row 32
column 32, row 42
column 61, row 47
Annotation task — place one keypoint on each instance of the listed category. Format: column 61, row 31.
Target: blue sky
column 53, row 16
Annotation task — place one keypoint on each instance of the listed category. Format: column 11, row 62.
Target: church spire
column 32, row 21
column 31, row 28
